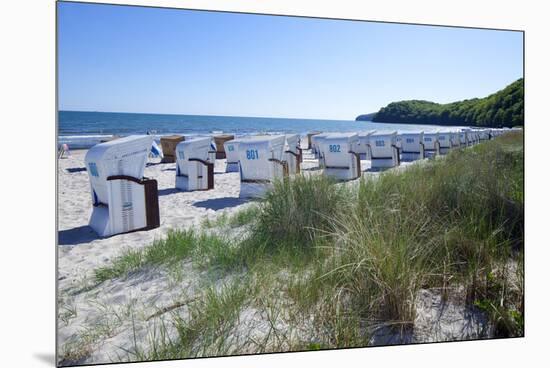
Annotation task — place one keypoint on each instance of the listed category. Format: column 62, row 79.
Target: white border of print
column 28, row 202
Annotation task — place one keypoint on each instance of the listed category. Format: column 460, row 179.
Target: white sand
column 107, row 317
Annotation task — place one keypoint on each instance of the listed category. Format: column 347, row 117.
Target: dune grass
column 205, row 330
column 457, row 219
column 206, row 250
column 240, row 218
column 346, row 258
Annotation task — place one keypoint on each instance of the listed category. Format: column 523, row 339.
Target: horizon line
column 211, row 115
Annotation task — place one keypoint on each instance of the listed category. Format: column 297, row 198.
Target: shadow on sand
column 377, row 170
column 220, row 203
column 168, row 191
column 75, row 169
column 77, row 235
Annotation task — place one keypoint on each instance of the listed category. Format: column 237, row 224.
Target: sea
column 83, row 129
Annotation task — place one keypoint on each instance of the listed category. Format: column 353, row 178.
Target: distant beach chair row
column 124, row 200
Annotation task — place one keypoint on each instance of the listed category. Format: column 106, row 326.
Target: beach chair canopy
column 124, row 156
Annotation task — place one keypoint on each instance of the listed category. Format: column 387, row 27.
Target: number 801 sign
column 252, row 154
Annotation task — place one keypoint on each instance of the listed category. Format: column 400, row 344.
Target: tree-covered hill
column 501, row 109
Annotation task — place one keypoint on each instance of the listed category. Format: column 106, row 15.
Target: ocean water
column 82, row 129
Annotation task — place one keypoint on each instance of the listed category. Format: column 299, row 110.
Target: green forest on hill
column 504, row 108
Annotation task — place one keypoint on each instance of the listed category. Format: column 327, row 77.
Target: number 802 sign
column 334, row 148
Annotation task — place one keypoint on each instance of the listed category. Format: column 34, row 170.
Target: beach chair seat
column 123, row 200
column 195, row 160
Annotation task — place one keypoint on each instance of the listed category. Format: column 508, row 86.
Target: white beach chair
column 261, row 162
column 471, row 137
column 398, row 142
column 383, row 151
column 309, row 135
column 475, row 134
column 463, row 138
column 412, row 146
column 444, row 139
column 455, row 139
column 315, row 144
column 293, row 153
column 431, row 144
column 232, row 155
column 123, row 200
column 195, row 160
column 219, row 141
column 363, row 144
column 316, row 148
column 340, row 159
column 484, row 134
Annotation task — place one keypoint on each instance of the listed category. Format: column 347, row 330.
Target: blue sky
column 131, row 59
